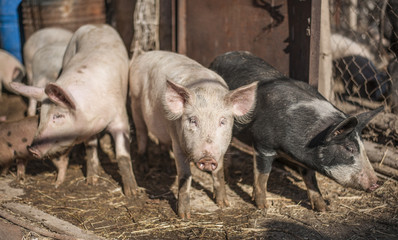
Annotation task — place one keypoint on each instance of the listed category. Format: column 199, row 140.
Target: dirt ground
column 105, row 211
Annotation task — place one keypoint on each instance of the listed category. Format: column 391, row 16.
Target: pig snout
column 207, row 164
column 368, row 180
column 34, row 151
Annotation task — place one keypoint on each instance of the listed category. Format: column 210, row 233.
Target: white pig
column 46, row 66
column 88, row 97
column 41, row 38
column 188, row 107
column 43, row 54
column 11, row 70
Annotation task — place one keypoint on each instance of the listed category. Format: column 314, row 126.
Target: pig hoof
column 93, row 180
column 130, row 192
column 223, row 203
column 185, row 216
column 57, row 184
column 262, row 203
column 319, row 205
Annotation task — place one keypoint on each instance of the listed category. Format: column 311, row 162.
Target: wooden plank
column 181, row 27
column 315, row 43
column 304, row 36
column 208, row 28
column 165, row 25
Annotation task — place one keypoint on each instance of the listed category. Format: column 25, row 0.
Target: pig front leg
column 21, row 169
column 184, row 183
column 262, row 163
column 61, row 163
column 314, row 195
column 92, row 161
column 32, row 107
column 121, row 137
column 219, row 186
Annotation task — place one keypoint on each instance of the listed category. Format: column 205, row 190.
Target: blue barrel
column 10, row 36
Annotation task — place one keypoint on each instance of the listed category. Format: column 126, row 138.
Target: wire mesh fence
column 364, row 41
column 364, row 45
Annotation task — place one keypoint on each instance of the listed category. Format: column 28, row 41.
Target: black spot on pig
column 8, row 133
column 9, row 144
column 24, row 140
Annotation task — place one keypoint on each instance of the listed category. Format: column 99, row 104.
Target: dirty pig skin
column 293, row 120
column 189, row 108
column 88, row 97
column 15, row 137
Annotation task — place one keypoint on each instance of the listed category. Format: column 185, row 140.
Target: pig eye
column 350, row 148
column 57, row 115
column 193, row 121
column 223, row 121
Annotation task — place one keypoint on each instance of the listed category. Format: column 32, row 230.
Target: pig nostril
column 374, row 187
column 213, row 166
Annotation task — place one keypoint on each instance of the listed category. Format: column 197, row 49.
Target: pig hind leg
column 21, row 169
column 5, row 168
column 314, row 195
column 61, row 163
column 141, row 132
column 121, row 137
column 262, row 163
column 92, row 161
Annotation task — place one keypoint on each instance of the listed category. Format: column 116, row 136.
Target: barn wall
column 207, row 28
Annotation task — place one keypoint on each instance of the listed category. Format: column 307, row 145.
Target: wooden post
column 325, row 84
column 181, row 27
column 304, row 36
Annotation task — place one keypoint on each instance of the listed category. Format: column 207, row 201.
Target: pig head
column 59, row 127
column 341, row 154
column 203, row 119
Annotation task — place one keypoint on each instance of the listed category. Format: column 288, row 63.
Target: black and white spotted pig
column 15, row 137
column 293, row 120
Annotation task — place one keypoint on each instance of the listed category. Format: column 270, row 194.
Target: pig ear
column 243, row 101
column 175, row 98
column 18, row 75
column 364, row 118
column 59, row 96
column 342, row 129
column 28, row 91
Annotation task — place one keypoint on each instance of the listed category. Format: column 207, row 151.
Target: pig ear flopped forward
column 28, row 91
column 243, row 101
column 176, row 96
column 364, row 118
column 342, row 129
column 59, row 96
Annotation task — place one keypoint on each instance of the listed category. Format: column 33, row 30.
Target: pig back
column 239, row 68
column 47, row 63
column 95, row 65
column 148, row 74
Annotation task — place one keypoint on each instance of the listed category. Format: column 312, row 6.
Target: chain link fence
column 364, row 45
column 364, row 41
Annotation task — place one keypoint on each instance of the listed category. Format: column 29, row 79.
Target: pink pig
column 88, row 97
column 188, row 107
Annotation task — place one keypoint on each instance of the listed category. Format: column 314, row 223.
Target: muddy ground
column 105, row 211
